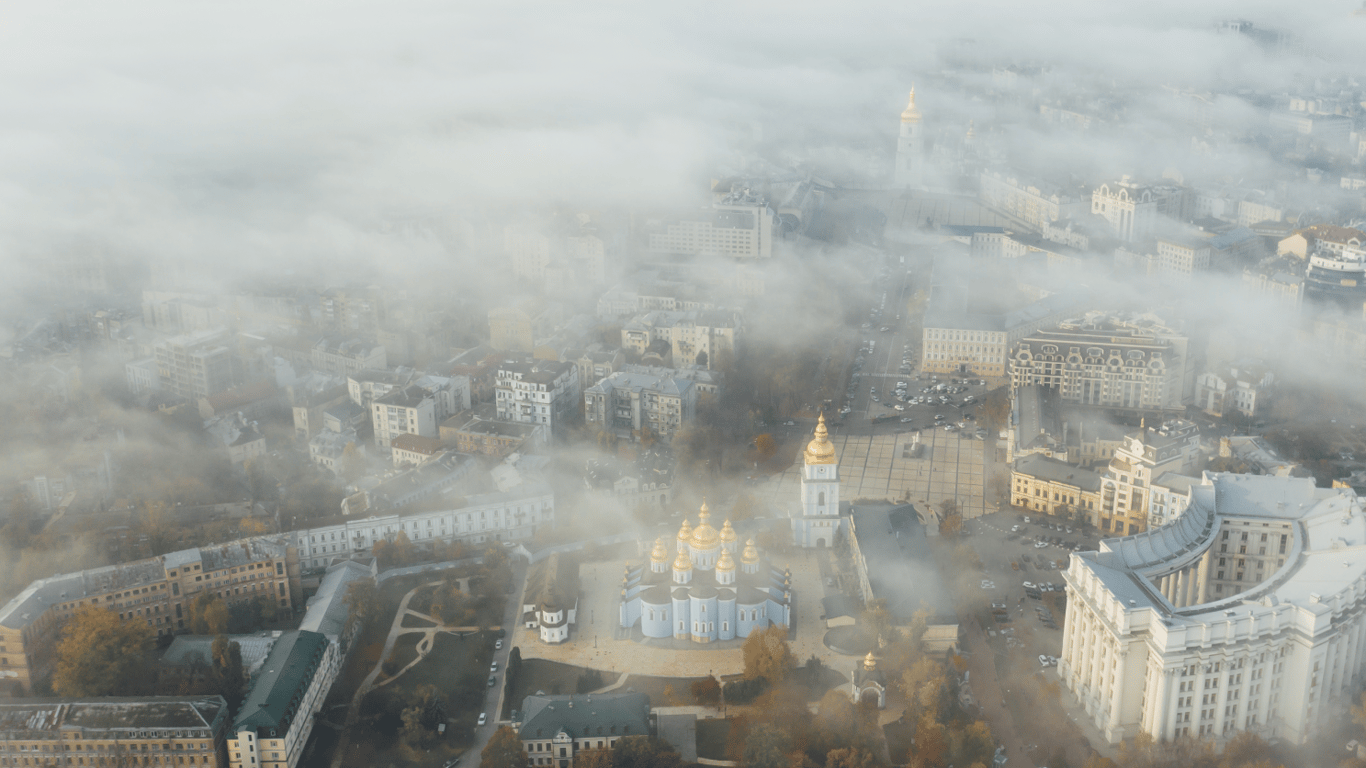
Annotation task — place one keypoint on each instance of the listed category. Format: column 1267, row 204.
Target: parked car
column 483, row 718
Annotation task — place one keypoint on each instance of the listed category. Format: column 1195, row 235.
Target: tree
column 994, row 410
column 1245, row 749
column 877, row 621
column 208, row 614
column 594, row 758
column 707, row 691
column 352, row 463
column 425, row 711
column 362, row 603
column 765, row 446
column 931, row 742
column 768, row 655
column 767, row 747
column 504, row 750
column 228, row 671
column 851, row 757
column 644, row 752
column 102, row 655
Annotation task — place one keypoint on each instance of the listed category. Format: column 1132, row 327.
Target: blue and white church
column 817, row 521
column 694, row 590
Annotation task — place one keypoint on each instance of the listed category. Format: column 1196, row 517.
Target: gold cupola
column 685, row 532
column 869, row 663
column 751, row 554
column 911, row 114
column 820, row 450
column 682, row 562
column 660, row 554
column 704, row 536
column 728, row 534
column 726, row 563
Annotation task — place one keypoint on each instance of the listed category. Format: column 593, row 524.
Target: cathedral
column 696, row 592
column 817, row 522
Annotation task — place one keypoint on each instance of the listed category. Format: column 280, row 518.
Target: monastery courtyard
column 951, row 465
column 594, row 643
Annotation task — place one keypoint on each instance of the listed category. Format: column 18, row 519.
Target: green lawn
column 551, row 677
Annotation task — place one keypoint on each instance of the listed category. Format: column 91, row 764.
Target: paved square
column 946, row 465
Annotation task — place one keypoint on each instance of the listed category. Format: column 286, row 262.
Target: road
column 493, row 698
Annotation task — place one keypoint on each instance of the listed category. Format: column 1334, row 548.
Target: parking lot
column 1023, row 558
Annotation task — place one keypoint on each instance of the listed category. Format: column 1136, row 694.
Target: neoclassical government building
column 696, row 592
column 1245, row 613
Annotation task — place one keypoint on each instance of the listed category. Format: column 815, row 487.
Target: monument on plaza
column 817, row 522
column 697, row 592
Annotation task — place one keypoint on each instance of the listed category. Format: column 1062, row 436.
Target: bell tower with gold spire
column 910, row 148
column 818, row 520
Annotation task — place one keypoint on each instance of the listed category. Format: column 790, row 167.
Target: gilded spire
column 911, row 114
column 660, row 554
column 869, row 663
column 704, row 536
column 685, row 532
column 820, row 450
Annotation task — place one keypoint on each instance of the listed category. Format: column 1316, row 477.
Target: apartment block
column 116, row 731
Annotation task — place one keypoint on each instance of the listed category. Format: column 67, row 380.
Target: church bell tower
column 910, row 148
column 818, row 520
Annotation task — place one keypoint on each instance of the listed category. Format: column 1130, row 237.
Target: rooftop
column 621, row 714
column 34, row 716
column 1052, row 470
column 901, row 569
column 287, row 672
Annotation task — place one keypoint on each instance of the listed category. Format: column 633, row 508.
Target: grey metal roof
column 604, row 714
column 1052, row 470
column 327, row 610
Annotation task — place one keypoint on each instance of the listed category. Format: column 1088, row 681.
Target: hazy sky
column 259, row 133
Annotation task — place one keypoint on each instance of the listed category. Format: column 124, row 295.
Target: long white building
column 1246, row 612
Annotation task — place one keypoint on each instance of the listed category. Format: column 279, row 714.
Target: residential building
column 1170, row 497
column 1279, row 279
column 516, row 328
column 1129, row 362
column 345, row 355
column 596, row 365
column 253, row 400
column 435, row 477
column 478, row 364
column 706, row 380
column 242, row 438
column 352, row 309
column 477, row 435
column 142, row 376
column 1126, row 483
column 554, row 729
column 328, row 613
column 1253, row 455
column 1242, row 390
column 1322, row 237
column 1136, row 210
column 1182, row 255
column 1032, row 203
column 1076, row 435
column 310, row 404
column 328, row 448
column 537, row 392
column 277, row 715
column 1242, row 614
column 115, row 731
column 157, row 590
column 694, row 338
column 740, row 225
column 414, row 450
column 645, row 482
column 696, row 591
column 1053, row 487
column 632, row 404
column 418, row 407
column 196, row 365
column 514, row 515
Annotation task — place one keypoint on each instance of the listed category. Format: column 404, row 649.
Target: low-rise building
column 1243, row 390
column 278, row 713
column 196, row 365
column 1135, row 211
column 646, row 482
column 477, row 435
column 345, row 355
column 415, row 450
column 1032, row 203
column 694, row 338
column 327, row 448
column 1052, row 487
column 554, row 729
column 739, row 225
column 552, row 598
column 116, row 731
column 1170, row 497
column 142, row 376
column 633, row 404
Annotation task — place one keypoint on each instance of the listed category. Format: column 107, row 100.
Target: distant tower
column 818, row 520
column 910, row 148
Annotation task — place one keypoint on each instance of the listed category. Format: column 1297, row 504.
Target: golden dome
column 726, row 563
column 820, row 450
column 685, row 532
column 869, row 663
column 659, row 554
column 728, row 533
column 911, row 114
column 682, row 562
column 704, row 536
column 751, row 554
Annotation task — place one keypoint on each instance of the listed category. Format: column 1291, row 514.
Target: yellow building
column 1041, row 484
column 145, row 731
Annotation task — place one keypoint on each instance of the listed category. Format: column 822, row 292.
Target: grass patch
column 655, row 688
column 543, row 675
column 402, row 654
